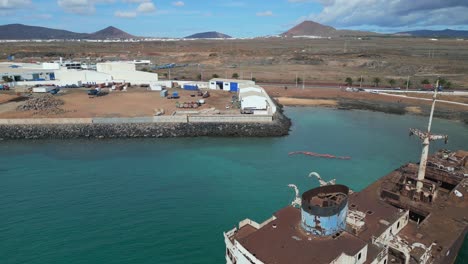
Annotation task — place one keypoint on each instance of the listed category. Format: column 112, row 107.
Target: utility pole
column 296, row 79
column 407, row 86
column 360, row 83
column 169, row 73
column 426, row 137
column 303, row 81
column 251, row 76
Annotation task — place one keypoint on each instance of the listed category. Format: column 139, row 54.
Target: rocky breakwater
column 278, row 127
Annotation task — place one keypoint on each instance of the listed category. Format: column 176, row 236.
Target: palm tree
column 408, row 83
column 425, row 81
column 391, row 82
column 349, row 81
column 235, row 75
column 215, row 75
column 199, row 77
column 376, row 81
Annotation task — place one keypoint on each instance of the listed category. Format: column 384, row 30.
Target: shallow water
column 169, row 200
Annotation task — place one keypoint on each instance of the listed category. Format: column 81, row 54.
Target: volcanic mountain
column 110, row 33
column 314, row 29
column 208, row 35
column 20, row 31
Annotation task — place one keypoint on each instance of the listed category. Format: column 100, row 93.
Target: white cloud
column 146, row 7
column 178, row 3
column 265, row 13
column 14, row 4
column 124, row 14
column 84, row 7
column 391, row 13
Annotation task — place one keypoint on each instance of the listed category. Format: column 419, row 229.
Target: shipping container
column 43, row 89
column 190, row 87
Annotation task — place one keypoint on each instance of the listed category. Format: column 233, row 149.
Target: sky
column 238, row 18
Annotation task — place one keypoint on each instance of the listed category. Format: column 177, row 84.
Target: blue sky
column 239, row 18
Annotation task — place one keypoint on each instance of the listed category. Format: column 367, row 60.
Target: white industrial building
column 231, row 85
column 61, row 74
column 69, row 77
column 254, row 99
column 126, row 72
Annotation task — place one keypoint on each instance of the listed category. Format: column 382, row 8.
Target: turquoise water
column 169, row 200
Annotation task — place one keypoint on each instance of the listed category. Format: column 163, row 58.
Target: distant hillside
column 110, row 33
column 447, row 33
column 20, row 31
column 208, row 35
column 311, row 28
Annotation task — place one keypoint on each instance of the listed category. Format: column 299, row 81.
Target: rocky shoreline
column 279, row 127
column 401, row 109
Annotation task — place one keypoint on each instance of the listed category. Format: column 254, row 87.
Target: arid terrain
column 136, row 102
column 279, row 59
column 317, row 62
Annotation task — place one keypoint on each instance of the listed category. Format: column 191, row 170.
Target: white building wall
column 134, row 77
column 68, row 77
column 254, row 102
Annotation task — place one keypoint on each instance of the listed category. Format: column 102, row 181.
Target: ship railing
column 230, row 233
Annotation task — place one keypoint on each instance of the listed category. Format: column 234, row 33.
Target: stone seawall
column 279, row 127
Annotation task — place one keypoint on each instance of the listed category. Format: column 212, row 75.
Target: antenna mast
column 426, row 137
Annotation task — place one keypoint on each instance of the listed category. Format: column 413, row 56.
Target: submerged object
column 327, row 156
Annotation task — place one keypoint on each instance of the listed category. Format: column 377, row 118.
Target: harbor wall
column 144, row 127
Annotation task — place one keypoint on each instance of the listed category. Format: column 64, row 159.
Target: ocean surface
column 169, row 200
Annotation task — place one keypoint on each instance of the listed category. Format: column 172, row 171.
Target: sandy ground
column 133, row 103
column 337, row 94
column 139, row 102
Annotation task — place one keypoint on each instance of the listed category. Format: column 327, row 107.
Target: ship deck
column 443, row 226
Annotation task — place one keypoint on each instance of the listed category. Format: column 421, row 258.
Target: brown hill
column 110, row 33
column 311, row 28
column 207, row 35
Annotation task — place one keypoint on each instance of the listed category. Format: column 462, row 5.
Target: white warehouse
column 126, row 72
column 231, row 85
column 255, row 100
column 69, row 77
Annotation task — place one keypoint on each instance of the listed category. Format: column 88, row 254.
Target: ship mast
column 426, row 137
